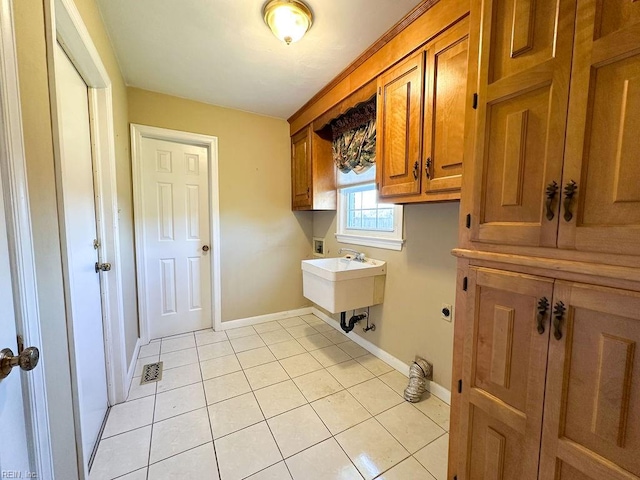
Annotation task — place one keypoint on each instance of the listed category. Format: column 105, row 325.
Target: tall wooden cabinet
column 603, row 129
column 420, row 130
column 523, row 89
column 504, row 391
column 592, row 403
column 563, row 350
column 546, row 372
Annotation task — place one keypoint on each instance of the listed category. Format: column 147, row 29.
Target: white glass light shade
column 289, row 20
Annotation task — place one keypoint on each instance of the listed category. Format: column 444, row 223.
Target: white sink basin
column 341, row 284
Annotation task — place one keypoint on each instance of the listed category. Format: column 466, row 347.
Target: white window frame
column 369, row 238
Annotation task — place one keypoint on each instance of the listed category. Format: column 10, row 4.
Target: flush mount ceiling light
column 289, row 20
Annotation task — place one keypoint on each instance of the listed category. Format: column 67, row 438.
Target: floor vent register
column 151, row 373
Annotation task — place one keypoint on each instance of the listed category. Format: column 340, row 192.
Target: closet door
column 523, row 85
column 601, row 211
column 504, row 375
column 399, row 127
column 592, row 404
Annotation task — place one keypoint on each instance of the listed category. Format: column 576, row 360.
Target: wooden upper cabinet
column 504, row 375
column 301, row 170
column 523, row 86
column 421, row 114
column 602, row 150
column 313, row 173
column 445, row 108
column 399, row 129
column 592, row 402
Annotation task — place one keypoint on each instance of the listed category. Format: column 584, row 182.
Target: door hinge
column 379, row 90
column 468, row 221
column 465, row 282
column 475, row 101
column 460, row 386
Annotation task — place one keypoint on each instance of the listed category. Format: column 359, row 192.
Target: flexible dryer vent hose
column 420, row 372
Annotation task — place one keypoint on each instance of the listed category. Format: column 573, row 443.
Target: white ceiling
column 221, row 52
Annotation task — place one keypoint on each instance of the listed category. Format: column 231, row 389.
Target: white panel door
column 175, row 197
column 14, row 454
column 86, row 335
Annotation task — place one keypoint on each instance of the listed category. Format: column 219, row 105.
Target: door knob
column 26, row 360
column 205, row 248
column 103, row 267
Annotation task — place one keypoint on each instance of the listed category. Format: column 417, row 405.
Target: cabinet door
column 523, row 84
column 399, row 129
column 603, row 131
column 445, row 108
column 592, row 404
column 301, row 170
column 504, row 373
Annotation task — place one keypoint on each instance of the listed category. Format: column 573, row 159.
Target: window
column 364, row 221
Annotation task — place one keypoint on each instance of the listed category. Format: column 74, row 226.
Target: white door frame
column 138, row 132
column 14, row 176
column 65, row 25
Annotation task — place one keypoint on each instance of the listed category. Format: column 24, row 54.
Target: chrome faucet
column 359, row 256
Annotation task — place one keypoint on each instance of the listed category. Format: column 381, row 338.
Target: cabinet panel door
column 301, row 170
column 603, row 130
column 592, row 402
column 399, row 127
column 445, row 107
column 523, row 85
column 504, row 374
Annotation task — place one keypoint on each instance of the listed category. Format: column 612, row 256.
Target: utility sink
column 341, row 284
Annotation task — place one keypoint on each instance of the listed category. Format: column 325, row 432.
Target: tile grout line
column 153, row 417
column 332, row 436
column 284, row 459
column 268, row 427
column 206, row 406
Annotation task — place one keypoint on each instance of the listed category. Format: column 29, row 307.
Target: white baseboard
column 435, row 388
column 270, row 317
column 132, row 368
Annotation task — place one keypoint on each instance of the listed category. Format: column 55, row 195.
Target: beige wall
column 419, row 280
column 262, row 241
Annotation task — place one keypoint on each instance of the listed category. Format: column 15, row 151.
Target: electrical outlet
column 447, row 312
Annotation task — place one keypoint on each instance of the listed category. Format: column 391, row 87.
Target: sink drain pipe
column 347, row 327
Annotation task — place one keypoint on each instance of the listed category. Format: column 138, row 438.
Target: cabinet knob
column 416, row 168
column 427, row 168
column 570, row 190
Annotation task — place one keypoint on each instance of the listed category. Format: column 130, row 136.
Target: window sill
column 376, row 242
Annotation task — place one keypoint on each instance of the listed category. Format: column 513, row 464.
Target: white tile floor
column 294, row 399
